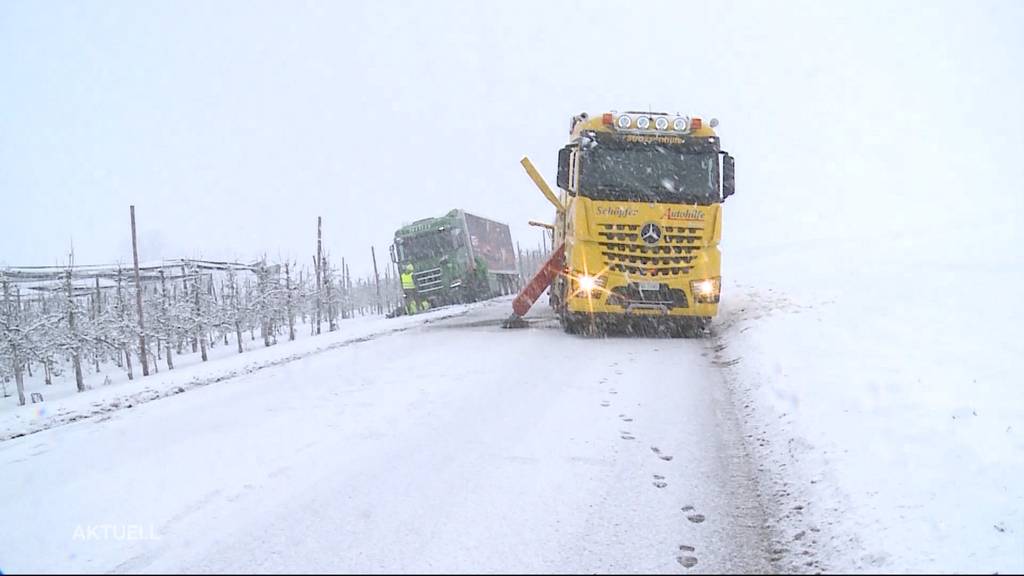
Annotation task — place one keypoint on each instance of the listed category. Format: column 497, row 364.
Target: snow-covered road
column 456, row 446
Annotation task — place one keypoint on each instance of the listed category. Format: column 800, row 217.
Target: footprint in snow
column 687, row 561
column 627, row 436
column 664, row 457
column 685, row 558
column 605, row 403
column 659, row 481
column 695, row 518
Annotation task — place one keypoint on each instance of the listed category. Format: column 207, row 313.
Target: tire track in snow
column 779, row 496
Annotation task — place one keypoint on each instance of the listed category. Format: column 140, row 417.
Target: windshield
column 649, row 173
column 424, row 246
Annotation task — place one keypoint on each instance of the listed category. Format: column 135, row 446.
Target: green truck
column 456, row 258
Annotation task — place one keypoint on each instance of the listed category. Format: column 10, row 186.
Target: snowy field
column 881, row 382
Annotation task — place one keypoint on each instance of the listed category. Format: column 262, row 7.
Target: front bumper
column 673, row 297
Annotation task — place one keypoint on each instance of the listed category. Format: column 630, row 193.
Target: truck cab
column 455, row 258
column 642, row 221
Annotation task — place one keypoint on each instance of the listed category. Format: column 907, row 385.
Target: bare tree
column 199, row 315
column 289, row 301
column 166, row 320
column 74, row 342
column 318, row 264
column 236, row 302
column 124, row 324
column 13, row 335
column 138, row 297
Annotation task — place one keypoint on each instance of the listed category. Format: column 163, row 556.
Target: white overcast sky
column 233, row 125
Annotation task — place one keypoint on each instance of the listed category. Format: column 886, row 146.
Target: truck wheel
column 576, row 323
column 570, row 324
column 691, row 327
column 704, row 326
column 556, row 292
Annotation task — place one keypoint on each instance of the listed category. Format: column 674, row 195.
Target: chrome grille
column 427, row 280
column 672, row 255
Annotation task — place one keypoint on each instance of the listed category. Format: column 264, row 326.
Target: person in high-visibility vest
column 409, row 287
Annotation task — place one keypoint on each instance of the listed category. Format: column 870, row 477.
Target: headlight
column 681, row 124
column 624, row 121
column 704, row 287
column 589, row 286
column 643, row 122
column 587, row 283
column 661, row 123
column 707, row 291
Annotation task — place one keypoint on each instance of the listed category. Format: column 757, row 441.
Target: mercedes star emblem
column 650, row 233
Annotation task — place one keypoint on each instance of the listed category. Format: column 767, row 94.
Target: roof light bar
column 654, row 122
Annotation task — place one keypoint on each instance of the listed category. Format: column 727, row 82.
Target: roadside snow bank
column 882, row 381
column 16, row 421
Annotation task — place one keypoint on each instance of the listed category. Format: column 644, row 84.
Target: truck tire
column 579, row 324
column 696, row 327
column 569, row 323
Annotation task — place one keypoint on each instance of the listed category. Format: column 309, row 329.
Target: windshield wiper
column 688, row 198
column 627, row 194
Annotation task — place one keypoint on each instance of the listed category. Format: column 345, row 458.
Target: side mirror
column 728, row 176
column 393, row 259
column 562, row 181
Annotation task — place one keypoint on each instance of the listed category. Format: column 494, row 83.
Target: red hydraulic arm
column 551, row 269
column 529, row 294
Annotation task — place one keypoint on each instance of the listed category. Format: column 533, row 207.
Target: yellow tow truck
column 638, row 223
